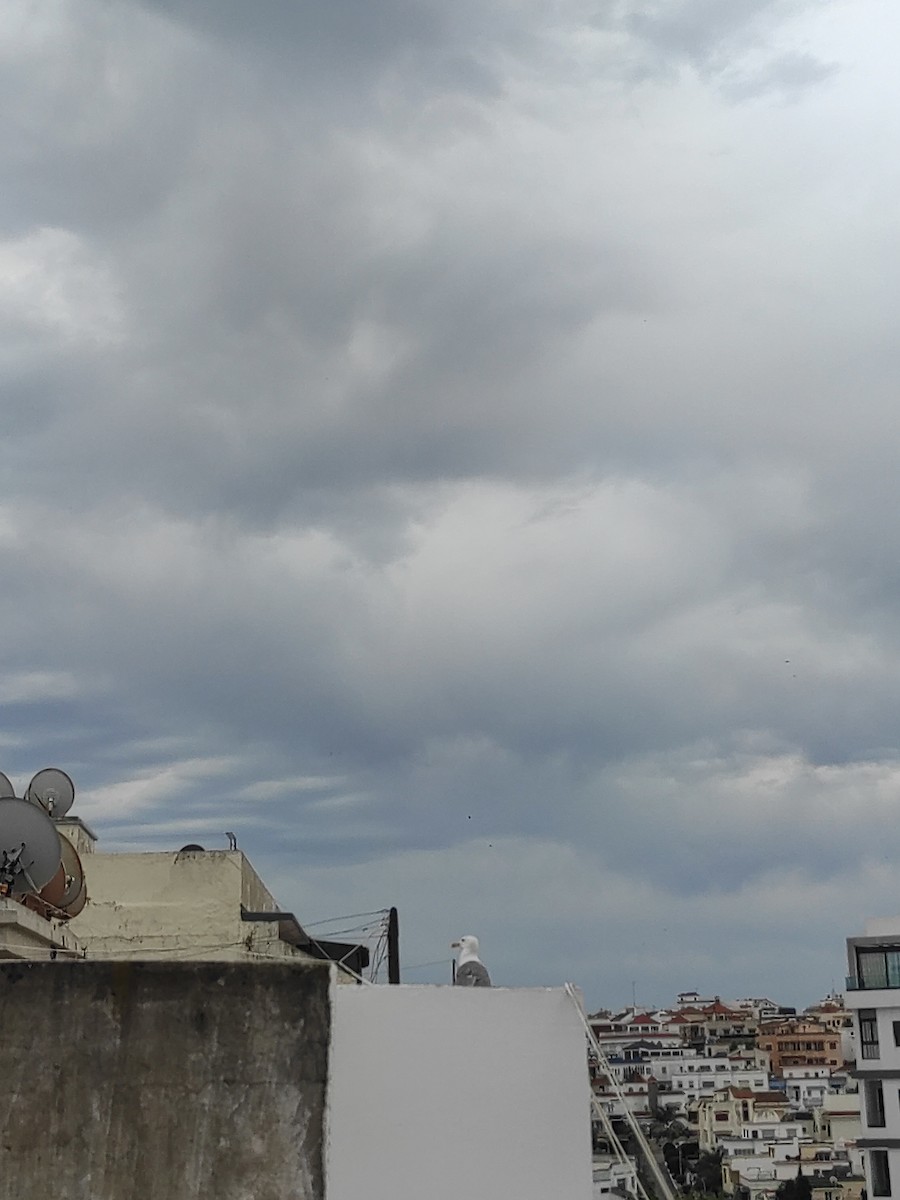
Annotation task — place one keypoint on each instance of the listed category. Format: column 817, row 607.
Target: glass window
column 896, row 1025
column 872, row 968
column 880, row 1172
column 879, row 968
column 868, row 1033
column 874, row 1103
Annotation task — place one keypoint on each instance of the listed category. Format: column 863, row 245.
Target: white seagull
column 470, row 970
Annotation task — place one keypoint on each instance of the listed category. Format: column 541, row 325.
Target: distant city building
column 800, row 1042
column 727, row 1111
column 612, row 1176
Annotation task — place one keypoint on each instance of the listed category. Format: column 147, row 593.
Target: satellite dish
column 53, row 892
column 71, row 864
column 6, row 788
column 76, row 905
column 53, row 790
column 30, row 852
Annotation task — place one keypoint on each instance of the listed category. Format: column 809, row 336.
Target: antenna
column 393, row 946
column 53, row 790
column 30, row 851
column 6, row 788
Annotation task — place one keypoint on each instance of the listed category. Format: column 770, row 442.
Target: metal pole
column 393, row 944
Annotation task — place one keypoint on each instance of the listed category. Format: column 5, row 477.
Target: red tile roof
column 718, row 1007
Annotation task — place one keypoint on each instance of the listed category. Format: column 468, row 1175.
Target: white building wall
column 442, row 1092
column 881, row 1066
column 610, row 1173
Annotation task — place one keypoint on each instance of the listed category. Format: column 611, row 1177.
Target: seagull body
column 470, row 970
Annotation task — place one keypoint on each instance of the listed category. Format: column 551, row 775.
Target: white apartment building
column 698, row 1075
column 636, row 1095
column 838, row 1120
column 807, row 1086
column 615, row 1032
column 610, row 1174
column 758, row 1173
column 873, row 996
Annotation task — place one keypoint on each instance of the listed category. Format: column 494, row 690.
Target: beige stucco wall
column 176, row 905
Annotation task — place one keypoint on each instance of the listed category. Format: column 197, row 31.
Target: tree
column 708, row 1172
column 798, row 1188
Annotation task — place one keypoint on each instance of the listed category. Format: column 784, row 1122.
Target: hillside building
column 800, row 1042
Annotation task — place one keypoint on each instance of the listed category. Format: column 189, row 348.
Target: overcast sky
column 455, row 447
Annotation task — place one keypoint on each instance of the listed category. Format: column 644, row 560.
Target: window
column 896, row 1025
column 868, row 1032
column 874, row 1103
column 880, row 1172
column 879, row 968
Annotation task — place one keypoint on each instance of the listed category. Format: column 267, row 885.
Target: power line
column 375, row 912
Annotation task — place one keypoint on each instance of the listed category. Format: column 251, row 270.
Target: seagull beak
column 454, row 945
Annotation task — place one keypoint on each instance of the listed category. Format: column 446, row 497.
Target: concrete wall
column 208, row 1081
column 23, row 934
column 185, row 1081
column 176, row 905
column 444, row 1092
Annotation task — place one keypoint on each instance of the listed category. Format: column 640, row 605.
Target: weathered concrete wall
column 176, row 905
column 163, row 903
column 195, row 1081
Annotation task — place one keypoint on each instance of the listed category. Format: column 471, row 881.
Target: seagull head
column 467, row 947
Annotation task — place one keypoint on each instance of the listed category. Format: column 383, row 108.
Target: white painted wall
column 443, row 1092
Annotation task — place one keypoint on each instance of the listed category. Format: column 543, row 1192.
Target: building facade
column 800, row 1042
column 873, row 996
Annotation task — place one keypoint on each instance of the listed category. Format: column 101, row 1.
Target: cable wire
column 665, row 1191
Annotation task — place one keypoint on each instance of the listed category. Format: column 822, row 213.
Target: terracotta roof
column 763, row 1097
column 718, row 1007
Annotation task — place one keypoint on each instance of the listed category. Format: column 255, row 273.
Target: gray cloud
column 452, row 448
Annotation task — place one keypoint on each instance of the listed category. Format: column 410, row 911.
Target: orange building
column 800, row 1042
